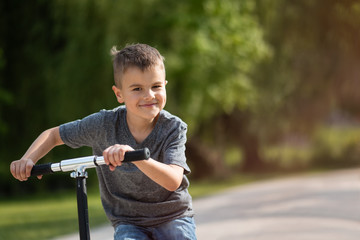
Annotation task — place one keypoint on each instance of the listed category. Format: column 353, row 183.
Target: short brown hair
column 136, row 55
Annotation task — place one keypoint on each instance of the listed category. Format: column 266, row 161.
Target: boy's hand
column 114, row 155
column 21, row 169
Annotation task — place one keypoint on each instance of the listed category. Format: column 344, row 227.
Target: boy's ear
column 118, row 94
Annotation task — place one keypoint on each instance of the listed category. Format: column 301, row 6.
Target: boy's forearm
column 43, row 144
column 168, row 176
column 21, row 169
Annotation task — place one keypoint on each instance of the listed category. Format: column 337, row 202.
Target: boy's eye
column 157, row 86
column 136, row 89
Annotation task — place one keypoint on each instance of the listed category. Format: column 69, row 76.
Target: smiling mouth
column 148, row 105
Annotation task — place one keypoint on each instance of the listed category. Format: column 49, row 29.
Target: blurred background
column 265, row 86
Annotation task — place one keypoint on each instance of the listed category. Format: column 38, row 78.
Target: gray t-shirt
column 127, row 194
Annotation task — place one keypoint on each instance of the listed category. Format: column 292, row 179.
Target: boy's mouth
column 148, row 104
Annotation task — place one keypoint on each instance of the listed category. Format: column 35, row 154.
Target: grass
column 44, row 217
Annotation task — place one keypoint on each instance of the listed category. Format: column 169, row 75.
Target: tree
column 58, row 66
column 310, row 73
column 313, row 69
column 221, row 42
column 315, row 53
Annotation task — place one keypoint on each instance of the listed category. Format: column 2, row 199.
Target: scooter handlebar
column 41, row 169
column 86, row 162
column 137, row 155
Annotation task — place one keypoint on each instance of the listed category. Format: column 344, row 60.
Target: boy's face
column 143, row 93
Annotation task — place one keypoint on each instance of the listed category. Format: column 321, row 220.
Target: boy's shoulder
column 169, row 119
column 113, row 113
column 116, row 110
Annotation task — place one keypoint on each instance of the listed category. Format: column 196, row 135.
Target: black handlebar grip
column 41, row 169
column 137, row 155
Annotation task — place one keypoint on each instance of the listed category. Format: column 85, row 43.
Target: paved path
column 311, row 207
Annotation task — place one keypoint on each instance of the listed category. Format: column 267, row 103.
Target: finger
column 39, row 177
column 122, row 153
column 29, row 165
column 17, row 171
column 110, row 156
column 23, row 172
column 117, row 155
column 13, row 169
column 106, row 155
column 112, row 168
column 125, row 149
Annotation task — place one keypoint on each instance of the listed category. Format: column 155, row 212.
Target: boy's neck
column 140, row 128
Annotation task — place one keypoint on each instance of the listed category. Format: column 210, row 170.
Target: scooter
column 77, row 167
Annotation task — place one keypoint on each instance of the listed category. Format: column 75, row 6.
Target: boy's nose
column 149, row 94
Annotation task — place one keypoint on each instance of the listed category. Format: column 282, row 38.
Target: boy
column 145, row 199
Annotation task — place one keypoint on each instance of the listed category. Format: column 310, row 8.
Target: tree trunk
column 237, row 129
column 203, row 160
column 252, row 160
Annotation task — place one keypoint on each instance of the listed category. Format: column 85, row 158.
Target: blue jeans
column 178, row 229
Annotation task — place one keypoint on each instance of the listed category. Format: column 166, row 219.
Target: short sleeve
column 175, row 148
column 82, row 132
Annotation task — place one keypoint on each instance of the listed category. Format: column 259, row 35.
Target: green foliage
column 289, row 157
column 336, row 147
column 220, row 43
column 329, row 147
column 313, row 68
column 6, row 98
column 233, row 157
column 58, row 66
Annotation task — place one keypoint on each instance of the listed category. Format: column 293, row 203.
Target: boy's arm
column 47, row 140
column 169, row 176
